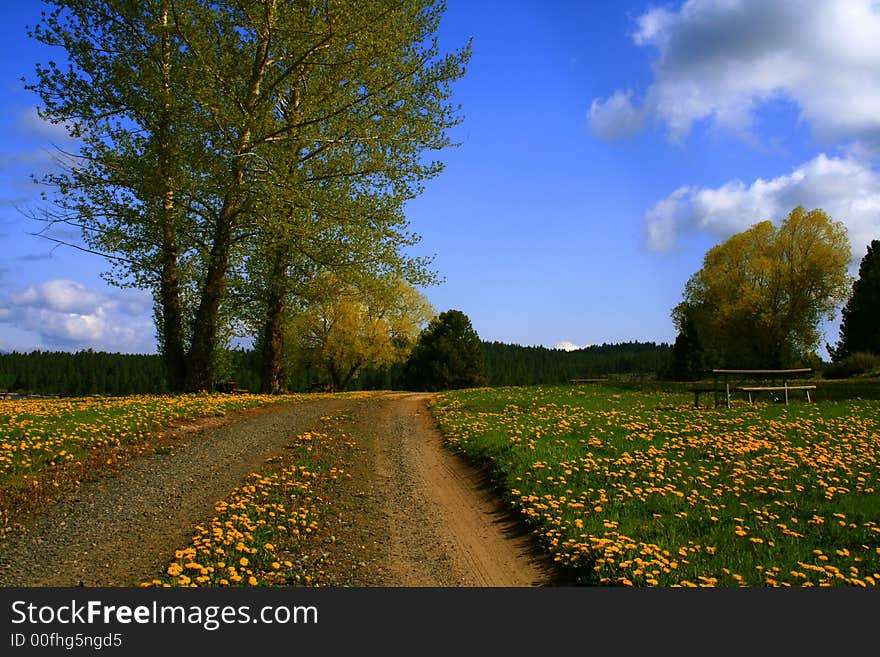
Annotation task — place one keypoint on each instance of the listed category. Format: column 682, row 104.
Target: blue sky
column 605, row 147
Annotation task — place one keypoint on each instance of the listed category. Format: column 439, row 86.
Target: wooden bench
column 588, row 380
column 757, row 380
column 699, row 391
column 785, row 389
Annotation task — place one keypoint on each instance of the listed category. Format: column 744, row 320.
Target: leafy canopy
column 210, row 129
column 760, row 296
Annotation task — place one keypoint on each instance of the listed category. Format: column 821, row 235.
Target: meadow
column 640, row 488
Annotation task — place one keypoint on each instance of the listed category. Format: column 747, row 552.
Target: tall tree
column 448, row 355
column 351, row 325
column 327, row 238
column 124, row 95
column 860, row 323
column 194, row 112
column 760, row 296
column 341, row 200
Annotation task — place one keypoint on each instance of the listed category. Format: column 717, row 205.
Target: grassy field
column 630, row 487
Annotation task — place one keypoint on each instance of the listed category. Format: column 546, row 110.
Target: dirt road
column 412, row 514
column 442, row 526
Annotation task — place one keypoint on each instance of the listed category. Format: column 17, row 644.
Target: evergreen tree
column 447, row 355
column 860, row 327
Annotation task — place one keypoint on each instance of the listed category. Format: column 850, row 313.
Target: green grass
column 636, row 486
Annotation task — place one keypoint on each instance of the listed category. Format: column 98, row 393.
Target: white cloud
column 64, row 315
column 720, row 60
column 567, row 345
column 616, row 117
column 847, row 189
column 666, row 219
column 30, row 121
column 61, row 296
column 653, row 26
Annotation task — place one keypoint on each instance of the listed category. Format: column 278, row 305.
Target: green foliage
column 760, row 296
column 860, row 362
column 82, row 373
column 231, row 142
column 860, row 325
column 349, row 325
column 101, row 373
column 356, row 156
column 447, row 355
column 86, row 372
column 689, row 357
column 515, row 365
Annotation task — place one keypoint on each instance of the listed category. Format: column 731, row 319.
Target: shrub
column 861, row 362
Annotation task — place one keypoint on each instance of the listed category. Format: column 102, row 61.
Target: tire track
column 446, row 528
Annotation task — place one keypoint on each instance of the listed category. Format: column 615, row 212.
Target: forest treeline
column 516, row 365
column 94, row 372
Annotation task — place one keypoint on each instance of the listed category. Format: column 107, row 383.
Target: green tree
column 285, row 267
column 448, row 355
column 201, row 119
column 340, row 200
column 124, row 96
column 350, row 325
column 689, row 357
column 860, row 324
column 760, row 296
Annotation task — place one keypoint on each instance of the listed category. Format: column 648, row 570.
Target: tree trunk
column 335, row 375
column 273, row 378
column 200, row 360
column 173, row 347
column 346, row 380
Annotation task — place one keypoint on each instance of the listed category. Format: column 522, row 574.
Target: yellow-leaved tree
column 760, row 296
column 351, row 324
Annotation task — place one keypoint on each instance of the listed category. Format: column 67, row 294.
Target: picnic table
column 753, row 382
